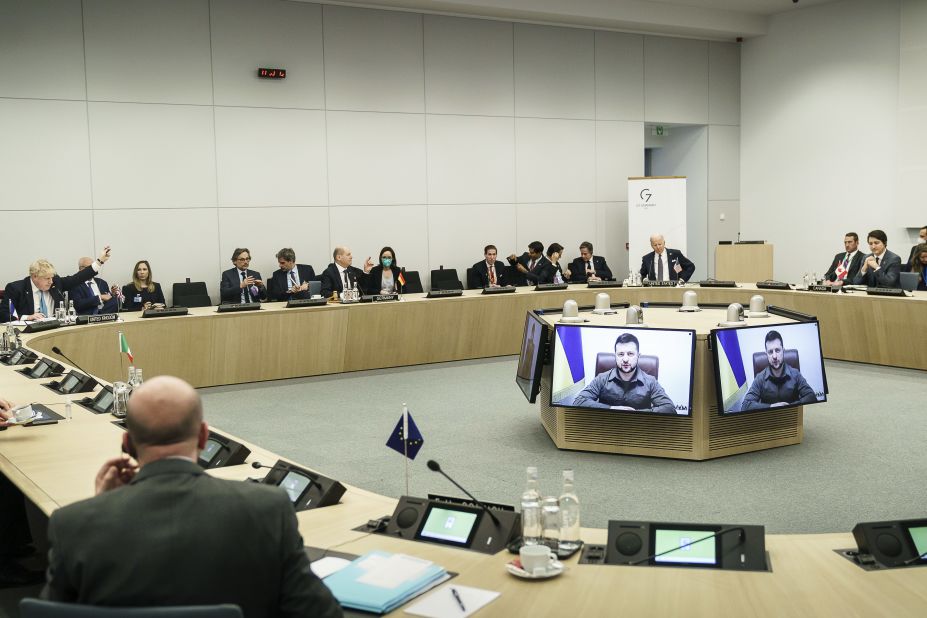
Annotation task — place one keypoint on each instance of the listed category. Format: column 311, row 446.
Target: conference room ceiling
column 710, row 19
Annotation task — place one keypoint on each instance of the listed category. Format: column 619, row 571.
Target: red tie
column 492, row 275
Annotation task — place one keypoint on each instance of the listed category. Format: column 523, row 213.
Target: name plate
column 379, row 298
column 98, row 319
column 659, row 284
column 821, row 288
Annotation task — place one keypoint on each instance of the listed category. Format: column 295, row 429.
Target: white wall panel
column 613, row 235
column 177, row 243
column 271, row 157
column 458, row 233
column 468, row 66
column 723, row 162
column 42, row 49
column 726, row 229
column 367, row 229
column 723, row 83
column 554, row 72
column 43, row 155
column 619, row 148
column 471, row 159
column 59, row 237
column 555, row 160
column 152, row 52
column 264, row 231
column 619, row 76
column 373, row 60
column 568, row 224
column 376, row 158
column 248, row 34
column 152, row 156
column 675, row 80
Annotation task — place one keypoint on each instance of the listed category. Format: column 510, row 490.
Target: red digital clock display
column 272, row 73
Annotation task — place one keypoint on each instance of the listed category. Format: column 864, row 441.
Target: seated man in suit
column 489, row 273
column 36, row 296
column 94, row 296
column 169, row 516
column 846, row 264
column 588, row 267
column 921, row 239
column 664, row 264
column 625, row 387
column 240, row 284
column 882, row 268
column 532, row 264
column 340, row 274
column 779, row 384
column 292, row 279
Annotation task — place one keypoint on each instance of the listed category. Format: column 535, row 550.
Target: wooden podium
column 744, row 262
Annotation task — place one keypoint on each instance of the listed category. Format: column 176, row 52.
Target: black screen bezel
column 450, row 507
column 95, row 404
column 531, row 388
column 922, row 523
column 687, row 565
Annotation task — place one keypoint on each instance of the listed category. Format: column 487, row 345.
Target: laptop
column 909, row 281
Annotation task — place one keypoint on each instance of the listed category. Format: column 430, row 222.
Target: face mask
column 387, row 262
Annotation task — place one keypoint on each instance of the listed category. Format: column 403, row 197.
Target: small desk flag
column 413, row 442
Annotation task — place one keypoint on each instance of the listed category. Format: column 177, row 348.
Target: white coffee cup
column 23, row 413
column 535, row 559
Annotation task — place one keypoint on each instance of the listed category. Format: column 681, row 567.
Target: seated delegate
column 241, row 284
column 919, row 265
column 94, row 296
column 340, row 274
column 490, row 272
column 589, row 267
column 845, row 265
column 664, row 264
column 291, row 280
column 881, row 268
column 533, row 266
column 384, row 277
column 557, row 274
column 143, row 292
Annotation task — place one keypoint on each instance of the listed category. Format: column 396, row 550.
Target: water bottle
column 72, row 313
column 138, row 377
column 531, row 510
column 550, row 522
column 131, row 381
column 569, row 515
column 60, row 313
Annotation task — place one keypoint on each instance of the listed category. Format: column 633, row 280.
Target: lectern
column 744, row 262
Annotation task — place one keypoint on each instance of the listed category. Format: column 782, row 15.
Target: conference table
column 54, row 465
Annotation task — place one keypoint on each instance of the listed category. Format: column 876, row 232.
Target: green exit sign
column 658, row 130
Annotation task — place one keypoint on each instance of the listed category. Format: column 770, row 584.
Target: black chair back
column 37, row 608
column 445, row 279
column 413, row 283
column 191, row 294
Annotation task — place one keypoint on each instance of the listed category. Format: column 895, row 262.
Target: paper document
column 442, row 604
column 393, row 571
column 324, row 567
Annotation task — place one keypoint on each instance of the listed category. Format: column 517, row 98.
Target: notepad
column 442, row 604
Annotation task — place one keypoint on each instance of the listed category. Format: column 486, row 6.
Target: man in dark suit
column 532, row 265
column 291, row 281
column 490, row 273
column 588, row 267
column 241, row 284
column 166, row 533
column 93, row 297
column 664, row 264
column 340, row 274
column 36, row 296
column 881, row 268
column 922, row 239
column 846, row 264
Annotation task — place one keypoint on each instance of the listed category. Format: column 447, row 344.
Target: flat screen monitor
column 210, row 451
column 295, row 484
column 452, row 525
column 69, row 383
column 689, row 546
column 767, row 367
column 103, row 401
column 40, row 369
column 645, row 370
column 918, row 534
column 531, row 358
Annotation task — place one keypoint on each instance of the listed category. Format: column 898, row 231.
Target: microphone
column 58, row 351
column 258, row 465
column 434, row 466
column 740, row 539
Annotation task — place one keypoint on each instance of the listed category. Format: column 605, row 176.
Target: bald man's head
column 84, row 262
column 164, row 411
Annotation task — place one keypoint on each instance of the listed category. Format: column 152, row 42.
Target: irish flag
column 124, row 347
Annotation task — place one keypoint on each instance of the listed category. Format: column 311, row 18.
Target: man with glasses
column 241, row 284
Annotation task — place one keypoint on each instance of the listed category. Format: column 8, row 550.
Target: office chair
column 908, row 281
column 413, row 283
column 37, row 608
column 761, row 362
column 472, row 282
column 645, row 362
column 445, row 279
column 191, row 294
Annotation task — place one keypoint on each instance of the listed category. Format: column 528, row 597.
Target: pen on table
column 458, row 599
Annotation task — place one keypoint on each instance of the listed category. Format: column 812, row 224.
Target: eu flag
column 413, row 441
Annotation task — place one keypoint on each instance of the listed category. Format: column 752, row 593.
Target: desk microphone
column 434, row 466
column 58, row 351
column 258, row 465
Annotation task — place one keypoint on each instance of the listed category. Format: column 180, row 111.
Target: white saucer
column 555, row 569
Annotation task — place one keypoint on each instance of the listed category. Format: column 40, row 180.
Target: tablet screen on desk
column 40, row 369
column 68, row 384
column 295, row 484
column 103, row 401
column 451, row 525
column 695, row 547
column 919, row 538
column 210, row 451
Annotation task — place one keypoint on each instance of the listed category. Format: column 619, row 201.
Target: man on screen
column 625, row 387
column 779, row 384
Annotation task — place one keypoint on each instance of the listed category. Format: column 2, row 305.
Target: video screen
column 696, row 547
column 919, row 538
column 210, row 451
column 103, row 401
column 40, row 369
column 531, row 358
column 68, row 383
column 295, row 484
column 446, row 525
column 763, row 367
column 626, row 369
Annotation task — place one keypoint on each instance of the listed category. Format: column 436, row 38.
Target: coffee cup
column 535, row 559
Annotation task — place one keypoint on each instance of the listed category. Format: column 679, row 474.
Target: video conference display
column 631, row 369
column 764, row 367
column 531, row 358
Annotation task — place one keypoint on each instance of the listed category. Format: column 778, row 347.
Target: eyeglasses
column 243, row 259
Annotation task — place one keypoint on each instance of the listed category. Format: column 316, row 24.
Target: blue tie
column 43, row 308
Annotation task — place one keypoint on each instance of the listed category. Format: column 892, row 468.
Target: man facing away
column 166, row 533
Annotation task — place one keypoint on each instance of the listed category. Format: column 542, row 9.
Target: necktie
column 879, row 261
column 846, row 260
column 660, row 269
column 245, row 292
column 531, row 265
column 347, row 284
column 43, row 308
column 292, row 277
column 492, row 275
column 589, row 269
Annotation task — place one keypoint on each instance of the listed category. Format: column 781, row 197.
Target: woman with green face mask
column 384, row 277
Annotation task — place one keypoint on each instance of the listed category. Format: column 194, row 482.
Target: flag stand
column 122, row 357
column 405, row 442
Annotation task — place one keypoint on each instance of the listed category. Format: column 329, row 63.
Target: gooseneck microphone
column 58, row 351
column 258, row 465
column 434, row 466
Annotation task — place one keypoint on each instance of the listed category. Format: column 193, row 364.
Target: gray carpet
column 862, row 458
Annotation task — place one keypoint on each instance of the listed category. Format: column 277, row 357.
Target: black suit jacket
column 331, row 279
column 130, row 293
column 578, row 269
column 177, row 536
column 688, row 268
column 481, row 273
column 278, row 288
column 888, row 275
column 853, row 269
column 543, row 270
column 370, row 284
column 230, row 287
column 20, row 292
column 87, row 303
